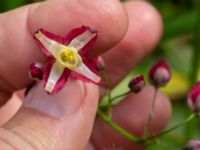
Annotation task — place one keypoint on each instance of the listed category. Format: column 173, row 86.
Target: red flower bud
column 194, row 99
column 159, row 74
column 137, row 84
column 100, row 63
column 36, row 70
column 192, row 145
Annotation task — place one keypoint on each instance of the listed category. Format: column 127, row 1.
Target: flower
column 194, row 98
column 137, row 84
column 159, row 74
column 192, row 145
column 66, row 56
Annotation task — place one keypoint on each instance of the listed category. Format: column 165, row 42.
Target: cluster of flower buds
column 159, row 74
column 192, row 145
column 194, row 99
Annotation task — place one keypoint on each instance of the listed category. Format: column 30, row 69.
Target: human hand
column 74, row 108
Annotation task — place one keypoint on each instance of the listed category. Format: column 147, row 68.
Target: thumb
column 62, row 121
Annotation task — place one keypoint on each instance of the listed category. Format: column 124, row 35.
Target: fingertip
column 144, row 33
column 109, row 18
column 70, row 113
column 145, row 26
column 59, row 17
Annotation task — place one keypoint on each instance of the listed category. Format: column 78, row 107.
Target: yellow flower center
column 69, row 58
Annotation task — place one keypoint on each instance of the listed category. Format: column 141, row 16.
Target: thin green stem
column 116, row 127
column 109, row 102
column 112, row 100
column 133, row 138
column 121, row 95
column 150, row 116
column 107, row 81
column 190, row 118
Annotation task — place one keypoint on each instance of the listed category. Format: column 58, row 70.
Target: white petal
column 85, row 71
column 80, row 41
column 52, row 46
column 55, row 73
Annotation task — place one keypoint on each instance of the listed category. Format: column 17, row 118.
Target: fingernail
column 65, row 102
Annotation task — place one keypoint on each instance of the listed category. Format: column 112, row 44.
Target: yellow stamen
column 69, row 58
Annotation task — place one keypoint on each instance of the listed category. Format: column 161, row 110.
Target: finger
column 59, row 17
column 138, row 42
column 62, row 121
column 132, row 114
column 10, row 108
column 144, row 32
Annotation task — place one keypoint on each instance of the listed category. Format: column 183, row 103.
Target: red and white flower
column 66, row 56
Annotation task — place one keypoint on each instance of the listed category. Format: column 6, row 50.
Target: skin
column 127, row 32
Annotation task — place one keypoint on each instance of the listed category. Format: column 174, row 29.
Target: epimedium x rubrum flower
column 66, row 56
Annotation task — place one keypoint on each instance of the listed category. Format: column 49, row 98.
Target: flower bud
column 192, row 145
column 137, row 84
column 194, row 99
column 36, row 70
column 159, row 74
column 100, row 63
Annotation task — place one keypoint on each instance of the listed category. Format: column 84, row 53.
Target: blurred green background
column 180, row 45
column 6, row 5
